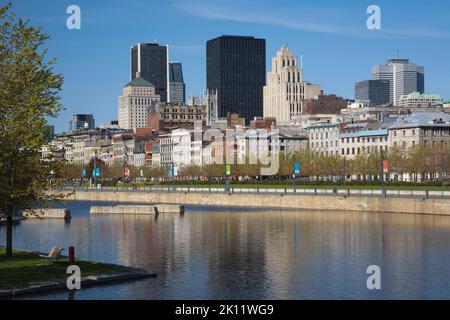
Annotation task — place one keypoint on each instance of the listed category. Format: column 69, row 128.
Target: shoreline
column 126, row 273
column 363, row 204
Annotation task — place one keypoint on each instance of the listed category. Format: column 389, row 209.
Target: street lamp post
column 383, row 190
column 125, row 160
column 94, row 173
column 227, row 181
column 173, row 174
column 51, row 176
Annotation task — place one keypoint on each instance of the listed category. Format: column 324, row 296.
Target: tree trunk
column 9, row 232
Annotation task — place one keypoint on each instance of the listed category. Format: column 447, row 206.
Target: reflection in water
column 212, row 253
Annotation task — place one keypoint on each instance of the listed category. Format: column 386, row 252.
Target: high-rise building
column 285, row 92
column 81, row 121
column 374, row 91
column 194, row 101
column 49, row 132
column 177, row 87
column 135, row 103
column 236, row 67
column 404, row 77
column 151, row 61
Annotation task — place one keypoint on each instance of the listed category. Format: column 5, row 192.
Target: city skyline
column 88, row 70
column 216, row 153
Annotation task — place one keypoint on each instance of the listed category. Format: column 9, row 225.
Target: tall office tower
column 177, row 87
column 404, row 77
column 151, row 61
column 49, row 132
column 236, row 67
column 286, row 91
column 134, row 104
column 82, row 121
column 375, row 91
column 194, row 101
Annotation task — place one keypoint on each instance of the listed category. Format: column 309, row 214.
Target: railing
column 424, row 194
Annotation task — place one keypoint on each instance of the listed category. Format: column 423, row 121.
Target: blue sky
column 337, row 48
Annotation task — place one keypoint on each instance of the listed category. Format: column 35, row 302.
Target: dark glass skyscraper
column 151, row 60
column 375, row 91
column 177, row 87
column 236, row 68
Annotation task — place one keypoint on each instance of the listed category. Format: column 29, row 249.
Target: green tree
column 28, row 94
column 99, row 163
column 286, row 165
column 134, row 171
column 396, row 161
column 191, row 171
column 72, row 171
column 114, row 171
column 155, row 172
column 214, row 170
column 418, row 161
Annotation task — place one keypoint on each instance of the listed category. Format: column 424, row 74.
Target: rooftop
column 139, row 82
column 398, row 60
column 418, row 95
column 370, row 133
column 423, row 119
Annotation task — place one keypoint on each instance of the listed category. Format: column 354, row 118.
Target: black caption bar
column 227, row 309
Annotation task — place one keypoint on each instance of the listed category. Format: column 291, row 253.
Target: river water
column 217, row 253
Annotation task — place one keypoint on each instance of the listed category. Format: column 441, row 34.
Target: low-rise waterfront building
column 324, row 139
column 168, row 115
column 425, row 129
column 367, row 138
column 325, row 104
column 419, row 100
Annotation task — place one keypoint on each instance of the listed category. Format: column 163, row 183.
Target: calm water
column 212, row 253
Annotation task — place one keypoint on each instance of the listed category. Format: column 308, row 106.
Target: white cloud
column 222, row 13
column 301, row 23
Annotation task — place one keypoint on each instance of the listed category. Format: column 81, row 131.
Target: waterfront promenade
column 389, row 201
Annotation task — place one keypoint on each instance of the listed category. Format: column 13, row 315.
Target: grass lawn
column 27, row 267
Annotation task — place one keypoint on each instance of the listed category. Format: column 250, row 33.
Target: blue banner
column 296, row 168
column 96, row 172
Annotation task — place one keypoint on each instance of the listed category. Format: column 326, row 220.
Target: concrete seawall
column 137, row 209
column 48, row 213
column 131, row 209
column 302, row 202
